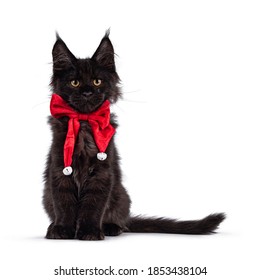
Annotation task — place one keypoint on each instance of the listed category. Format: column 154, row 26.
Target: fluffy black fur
column 92, row 202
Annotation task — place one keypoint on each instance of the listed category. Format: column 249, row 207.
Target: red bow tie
column 99, row 121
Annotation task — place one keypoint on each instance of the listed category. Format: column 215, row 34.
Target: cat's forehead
column 86, row 67
column 85, row 64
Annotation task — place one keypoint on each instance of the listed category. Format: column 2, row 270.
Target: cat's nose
column 87, row 93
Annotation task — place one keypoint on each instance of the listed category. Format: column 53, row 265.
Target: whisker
column 132, row 91
column 39, row 104
column 133, row 101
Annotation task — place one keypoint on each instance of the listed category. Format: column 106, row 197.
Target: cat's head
column 85, row 83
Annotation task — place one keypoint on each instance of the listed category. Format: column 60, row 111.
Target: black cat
column 87, row 199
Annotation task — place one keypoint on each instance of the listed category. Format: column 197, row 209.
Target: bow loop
column 102, row 116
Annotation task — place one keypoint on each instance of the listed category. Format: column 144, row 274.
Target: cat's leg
column 65, row 207
column 117, row 214
column 92, row 205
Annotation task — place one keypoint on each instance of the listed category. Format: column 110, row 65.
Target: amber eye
column 75, row 83
column 97, row 82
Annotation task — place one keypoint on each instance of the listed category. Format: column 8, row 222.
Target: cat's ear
column 61, row 55
column 104, row 55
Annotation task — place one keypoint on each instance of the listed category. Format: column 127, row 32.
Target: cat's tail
column 164, row 225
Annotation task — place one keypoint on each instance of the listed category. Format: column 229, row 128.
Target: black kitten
column 92, row 202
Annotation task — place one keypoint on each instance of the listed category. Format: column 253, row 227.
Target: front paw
column 84, row 233
column 60, row 232
column 112, row 229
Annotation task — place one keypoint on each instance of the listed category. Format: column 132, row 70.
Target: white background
column 189, row 131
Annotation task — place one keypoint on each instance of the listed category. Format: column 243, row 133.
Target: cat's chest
column 85, row 144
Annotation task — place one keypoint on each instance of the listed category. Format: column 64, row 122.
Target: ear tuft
column 57, row 35
column 104, row 55
column 62, row 56
column 107, row 33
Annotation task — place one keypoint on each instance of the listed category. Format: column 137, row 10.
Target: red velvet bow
column 99, row 121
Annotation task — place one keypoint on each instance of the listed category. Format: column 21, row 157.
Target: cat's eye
column 97, row 82
column 75, row 83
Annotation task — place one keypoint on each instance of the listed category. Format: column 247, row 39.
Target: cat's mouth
column 86, row 104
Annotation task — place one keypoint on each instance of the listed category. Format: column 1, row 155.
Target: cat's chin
column 86, row 106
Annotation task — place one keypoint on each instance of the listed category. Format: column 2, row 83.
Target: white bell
column 67, row 170
column 101, row 156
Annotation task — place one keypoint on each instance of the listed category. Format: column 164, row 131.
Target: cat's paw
column 93, row 234
column 60, row 232
column 112, row 229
